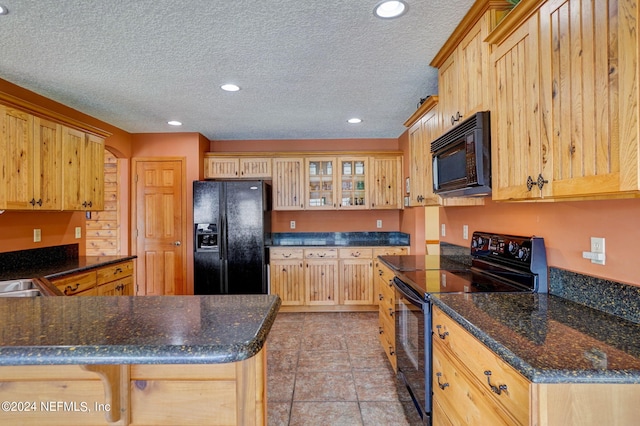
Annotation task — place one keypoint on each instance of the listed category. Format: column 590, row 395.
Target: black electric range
column 499, row 263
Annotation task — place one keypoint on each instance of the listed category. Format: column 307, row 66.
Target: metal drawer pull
column 441, row 385
column 70, row 289
column 356, row 254
column 391, row 351
column 390, row 312
column 117, row 271
column 380, row 296
column 495, row 389
column 380, row 330
column 443, row 335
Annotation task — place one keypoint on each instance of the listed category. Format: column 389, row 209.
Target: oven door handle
column 411, row 295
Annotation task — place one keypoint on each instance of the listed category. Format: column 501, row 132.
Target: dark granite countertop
column 134, row 329
column 348, row 239
column 550, row 339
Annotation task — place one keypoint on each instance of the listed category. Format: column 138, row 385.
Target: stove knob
column 513, row 248
column 523, row 254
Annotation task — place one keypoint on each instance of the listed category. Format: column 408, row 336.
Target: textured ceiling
column 304, row 66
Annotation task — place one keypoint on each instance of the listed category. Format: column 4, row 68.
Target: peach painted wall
column 190, row 146
column 57, row 228
column 16, row 228
column 566, row 228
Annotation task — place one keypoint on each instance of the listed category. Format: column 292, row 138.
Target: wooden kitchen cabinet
column 356, row 276
column 424, row 127
column 320, row 184
column 220, row 167
column 566, row 102
column 327, row 278
column 386, row 310
column 461, row 383
column 115, row 280
column 82, row 170
column 386, row 182
column 287, row 275
column 111, row 280
column 354, row 186
column 321, row 276
column 463, row 392
column 463, row 66
column 288, row 183
column 32, row 151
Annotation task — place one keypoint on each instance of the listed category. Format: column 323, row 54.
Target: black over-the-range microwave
column 462, row 159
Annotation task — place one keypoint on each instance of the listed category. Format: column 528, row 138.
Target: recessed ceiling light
column 174, row 123
column 230, row 87
column 354, row 120
column 3, row 10
column 390, row 9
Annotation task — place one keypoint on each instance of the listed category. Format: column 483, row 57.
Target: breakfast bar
column 135, row 360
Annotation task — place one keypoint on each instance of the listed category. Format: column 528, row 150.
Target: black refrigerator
column 232, row 222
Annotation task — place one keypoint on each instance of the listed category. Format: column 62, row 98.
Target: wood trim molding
column 13, row 101
column 303, row 154
column 470, row 19
column 431, row 102
column 513, row 20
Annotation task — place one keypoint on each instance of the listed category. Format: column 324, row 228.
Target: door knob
column 177, row 243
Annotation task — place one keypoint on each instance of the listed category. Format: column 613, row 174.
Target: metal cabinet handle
column 380, row 297
column 391, row 312
column 441, row 385
column 442, row 335
column 495, row 389
column 356, row 254
column 70, row 289
column 380, row 330
column 117, row 271
column 391, row 351
column 380, row 272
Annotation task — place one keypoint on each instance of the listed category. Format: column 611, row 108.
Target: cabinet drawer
column 480, row 360
column 321, row 253
column 461, row 397
column 355, row 253
column 390, row 251
column 76, row 283
column 284, row 254
column 114, row 272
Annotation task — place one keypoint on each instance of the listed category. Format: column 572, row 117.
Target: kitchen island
column 150, row 360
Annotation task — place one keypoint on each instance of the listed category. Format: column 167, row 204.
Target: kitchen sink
column 19, row 288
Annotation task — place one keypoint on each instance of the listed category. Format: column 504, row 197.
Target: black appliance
column 462, row 159
column 232, row 221
column 500, row 263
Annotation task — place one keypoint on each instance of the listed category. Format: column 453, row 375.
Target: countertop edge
column 100, row 264
column 136, row 354
column 532, row 374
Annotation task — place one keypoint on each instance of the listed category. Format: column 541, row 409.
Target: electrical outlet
column 597, row 254
column 597, row 245
column 78, row 232
column 443, row 230
column 292, row 224
column 37, row 235
column 379, row 223
column 465, row 232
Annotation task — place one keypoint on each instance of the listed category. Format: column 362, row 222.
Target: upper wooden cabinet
column 320, row 180
column 424, row 128
column 565, row 117
column 386, row 182
column 287, row 184
column 463, row 65
column 320, row 183
column 221, row 167
column 48, row 161
column 82, row 170
column 32, row 177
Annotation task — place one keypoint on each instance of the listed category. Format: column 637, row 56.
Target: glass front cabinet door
column 353, row 183
column 321, row 188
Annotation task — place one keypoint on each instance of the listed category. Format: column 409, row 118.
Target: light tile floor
column 329, row 369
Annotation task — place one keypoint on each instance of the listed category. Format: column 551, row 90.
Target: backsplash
column 31, row 260
column 609, row 296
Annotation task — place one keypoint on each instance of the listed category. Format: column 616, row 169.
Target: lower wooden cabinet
column 327, row 278
column 386, row 309
column 137, row 395
column 112, row 280
column 474, row 386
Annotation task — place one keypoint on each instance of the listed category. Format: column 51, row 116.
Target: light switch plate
column 443, row 230
column 465, row 232
column 78, row 232
column 379, row 223
column 292, row 224
column 37, row 235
